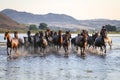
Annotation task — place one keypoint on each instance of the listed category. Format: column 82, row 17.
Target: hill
column 25, row 17
column 58, row 20
column 8, row 23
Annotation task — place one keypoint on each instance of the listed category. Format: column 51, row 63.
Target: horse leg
column 57, row 47
column 65, row 48
column 41, row 50
column 10, row 51
column 101, row 48
column 16, row 50
column 76, row 47
column 105, row 49
column 81, row 51
column 7, row 51
column 110, row 44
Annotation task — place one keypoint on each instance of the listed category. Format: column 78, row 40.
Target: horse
column 12, row 43
column 28, row 43
column 36, row 39
column 91, row 39
column 107, row 39
column 66, row 43
column 99, row 42
column 21, row 43
column 40, row 42
column 19, row 39
column 73, row 43
column 81, row 41
column 58, row 40
column 102, row 40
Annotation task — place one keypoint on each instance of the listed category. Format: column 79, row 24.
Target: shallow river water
column 57, row 67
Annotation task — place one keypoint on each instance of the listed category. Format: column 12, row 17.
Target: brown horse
column 42, row 44
column 107, row 39
column 58, row 40
column 66, row 43
column 81, row 41
column 12, row 43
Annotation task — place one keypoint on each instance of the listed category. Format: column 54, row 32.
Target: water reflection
column 51, row 67
column 54, row 67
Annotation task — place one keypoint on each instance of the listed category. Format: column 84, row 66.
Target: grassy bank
column 19, row 31
column 34, row 31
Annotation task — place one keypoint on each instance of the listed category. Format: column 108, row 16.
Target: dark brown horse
column 12, row 43
column 58, row 40
column 66, row 43
column 81, row 41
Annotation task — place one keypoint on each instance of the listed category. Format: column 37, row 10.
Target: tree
column 43, row 26
column 33, row 27
column 110, row 27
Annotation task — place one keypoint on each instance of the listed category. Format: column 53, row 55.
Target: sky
column 79, row 9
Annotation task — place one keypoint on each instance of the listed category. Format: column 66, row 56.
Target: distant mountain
column 25, row 17
column 8, row 23
column 98, row 23
column 58, row 20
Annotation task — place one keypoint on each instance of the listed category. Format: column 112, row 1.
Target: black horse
column 99, row 42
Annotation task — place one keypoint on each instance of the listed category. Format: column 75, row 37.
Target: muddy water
column 58, row 67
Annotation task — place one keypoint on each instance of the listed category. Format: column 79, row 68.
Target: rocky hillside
column 8, row 23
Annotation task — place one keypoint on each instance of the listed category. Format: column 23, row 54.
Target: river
column 55, row 67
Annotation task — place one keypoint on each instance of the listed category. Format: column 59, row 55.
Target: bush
column 43, row 26
column 33, row 27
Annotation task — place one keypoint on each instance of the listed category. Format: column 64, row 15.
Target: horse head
column 85, row 39
column 105, row 34
column 16, row 34
column 6, row 36
column 66, row 40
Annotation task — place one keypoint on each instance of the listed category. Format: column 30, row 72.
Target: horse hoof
column 66, row 55
column 83, row 55
column 41, row 55
column 9, row 57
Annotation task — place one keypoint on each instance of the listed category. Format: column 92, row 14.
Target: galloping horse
column 81, row 41
column 19, row 39
column 12, row 43
column 91, row 39
column 66, row 43
column 58, row 40
column 101, row 41
column 108, row 40
column 42, row 43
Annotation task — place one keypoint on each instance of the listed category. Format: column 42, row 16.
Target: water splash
column 20, row 53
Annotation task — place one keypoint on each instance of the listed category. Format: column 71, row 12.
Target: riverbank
column 34, row 31
column 2, row 43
